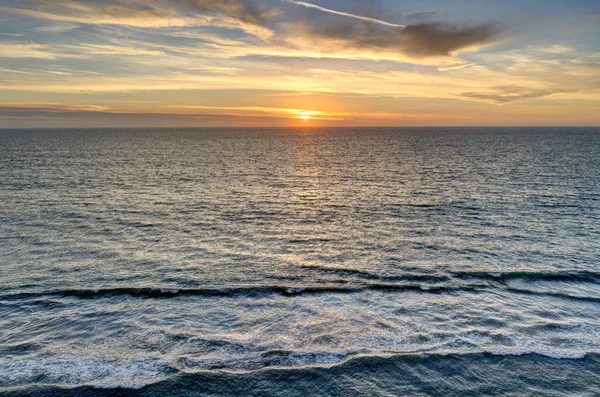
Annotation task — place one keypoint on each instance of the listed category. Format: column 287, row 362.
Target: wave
column 576, row 276
column 499, row 352
column 292, row 291
column 562, row 295
column 411, row 277
column 130, row 373
column 250, row 291
column 432, row 283
column 490, row 276
column 288, row 359
column 136, row 373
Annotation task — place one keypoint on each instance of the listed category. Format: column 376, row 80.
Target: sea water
column 293, row 262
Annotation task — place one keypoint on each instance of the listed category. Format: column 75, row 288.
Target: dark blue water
column 426, row 262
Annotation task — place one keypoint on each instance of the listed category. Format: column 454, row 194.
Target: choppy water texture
column 430, row 262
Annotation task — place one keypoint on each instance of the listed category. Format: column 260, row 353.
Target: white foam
column 300, row 359
column 543, row 352
column 74, row 371
column 257, row 361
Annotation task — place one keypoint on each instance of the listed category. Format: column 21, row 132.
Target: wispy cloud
column 50, row 107
column 212, row 115
column 103, row 49
column 30, row 50
column 262, row 110
column 242, row 14
column 456, row 66
column 135, row 11
column 506, row 95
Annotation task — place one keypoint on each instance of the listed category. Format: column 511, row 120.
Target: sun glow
column 305, row 116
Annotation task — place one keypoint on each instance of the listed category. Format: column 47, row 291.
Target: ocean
column 295, row 262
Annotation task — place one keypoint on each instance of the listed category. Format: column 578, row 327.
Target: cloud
column 29, row 50
column 555, row 49
column 351, row 36
column 243, row 14
column 43, row 107
column 505, row 95
column 16, row 71
column 98, row 49
column 419, row 41
column 456, row 66
column 59, row 27
column 24, row 114
column 420, row 16
column 57, row 115
column 242, row 10
column 262, row 111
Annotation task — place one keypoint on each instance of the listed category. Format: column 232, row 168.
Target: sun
column 306, row 115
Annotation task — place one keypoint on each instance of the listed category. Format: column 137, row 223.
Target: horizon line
column 300, row 127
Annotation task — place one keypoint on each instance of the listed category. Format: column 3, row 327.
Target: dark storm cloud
column 416, row 41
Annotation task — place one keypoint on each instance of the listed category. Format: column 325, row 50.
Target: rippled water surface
column 298, row 262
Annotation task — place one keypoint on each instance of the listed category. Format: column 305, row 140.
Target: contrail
column 345, row 14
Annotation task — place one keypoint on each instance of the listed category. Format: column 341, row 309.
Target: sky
column 272, row 63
